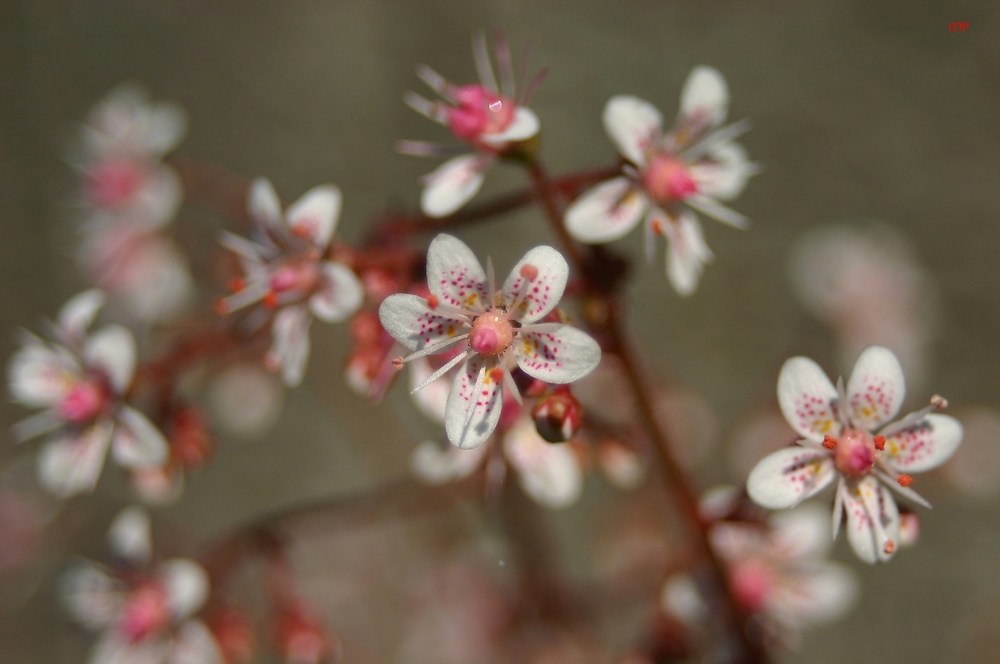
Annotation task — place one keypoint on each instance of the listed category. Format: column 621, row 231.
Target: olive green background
column 860, row 109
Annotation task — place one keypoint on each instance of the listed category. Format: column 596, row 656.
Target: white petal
column 681, row 598
column 540, row 276
column 195, row 644
column 725, row 173
column 924, row 446
column 264, row 206
column 624, row 468
column 562, row 355
column 167, row 126
column 156, row 202
column 410, row 322
column 40, row 375
column 314, row 216
column 91, row 595
column 524, row 125
column 789, row 476
column 186, row 583
column 634, row 125
column 872, row 520
column 114, row 648
column 434, row 465
column 802, row 534
column 78, row 314
column 452, row 184
column 160, row 287
column 455, row 276
column 72, row 464
column 138, row 443
column 340, row 293
column 818, row 596
column 704, row 98
column 471, row 417
column 290, row 343
column 876, row 388
column 606, row 212
column 112, row 349
column 808, row 399
column 433, row 398
column 549, row 473
column 687, row 253
column 130, row 536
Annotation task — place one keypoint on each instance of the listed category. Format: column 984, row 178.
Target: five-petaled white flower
column 145, row 613
column 496, row 326
column 80, row 380
column 285, row 267
column 690, row 168
column 131, row 196
column 845, row 434
column 488, row 117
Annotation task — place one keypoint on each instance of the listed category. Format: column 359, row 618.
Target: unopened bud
column 558, row 416
column 234, row 635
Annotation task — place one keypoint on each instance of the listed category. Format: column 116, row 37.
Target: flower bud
column 234, row 634
column 558, row 416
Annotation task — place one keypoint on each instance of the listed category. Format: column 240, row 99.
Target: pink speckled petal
column 876, row 388
column 453, row 184
column 872, row 520
column 687, row 253
column 789, row 476
column 606, row 212
column 634, row 125
column 339, row 295
column 455, row 276
column 264, row 206
column 471, row 417
column 704, row 98
column 924, row 446
column 541, row 278
column 808, row 399
column 314, row 216
column 412, row 323
column 562, row 355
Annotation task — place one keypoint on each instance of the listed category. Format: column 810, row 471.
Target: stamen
column 398, row 362
column 236, row 285
column 939, row 402
column 889, row 547
column 433, row 302
column 829, row 442
column 879, row 442
column 271, row 300
column 482, row 57
column 904, row 480
column 440, row 372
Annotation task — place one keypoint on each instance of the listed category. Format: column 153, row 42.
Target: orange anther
column 529, row 272
column 236, row 284
column 496, row 373
column 889, row 547
column 657, row 227
column 397, row 363
column 271, row 300
column 433, row 302
column 880, row 442
column 829, row 442
column 220, row 306
column 904, row 480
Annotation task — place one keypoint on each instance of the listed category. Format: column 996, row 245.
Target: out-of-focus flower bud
column 190, row 440
column 300, row 636
column 365, row 328
column 234, row 634
column 909, row 528
column 558, row 416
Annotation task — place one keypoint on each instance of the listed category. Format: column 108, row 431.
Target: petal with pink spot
column 560, row 355
column 687, row 252
column 926, row 445
column 412, row 323
column 314, row 216
column 340, row 293
column 808, row 399
column 872, row 520
column 471, row 416
column 453, row 184
column 112, row 349
column 704, row 98
column 538, row 281
column 606, row 212
column 724, row 173
column 524, row 125
column 264, row 206
column 789, row 476
column 876, row 388
column 455, row 276
column 40, row 375
column 72, row 464
column 137, row 442
column 635, row 126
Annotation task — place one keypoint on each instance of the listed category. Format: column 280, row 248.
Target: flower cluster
column 848, row 436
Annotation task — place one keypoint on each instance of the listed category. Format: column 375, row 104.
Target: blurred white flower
column 975, row 468
column 245, row 400
column 80, row 380
column 670, row 176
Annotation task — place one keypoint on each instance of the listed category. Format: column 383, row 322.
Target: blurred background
column 866, row 115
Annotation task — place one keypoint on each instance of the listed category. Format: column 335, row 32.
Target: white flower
column 550, row 473
column 845, row 435
column 488, row 117
column 783, row 572
column 690, row 168
column 80, row 381
column 130, row 196
column 145, row 614
column 497, row 326
column 285, row 267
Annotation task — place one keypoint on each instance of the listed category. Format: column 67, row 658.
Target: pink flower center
column 479, row 112
column 145, row 613
column 301, row 276
column 667, row 179
column 491, row 335
column 751, row 582
column 114, row 182
column 84, row 401
column 854, row 453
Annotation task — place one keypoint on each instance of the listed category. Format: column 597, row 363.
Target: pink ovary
column 83, row 402
column 855, row 453
column 668, row 180
column 114, row 182
column 145, row 613
column 478, row 112
column 751, row 583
